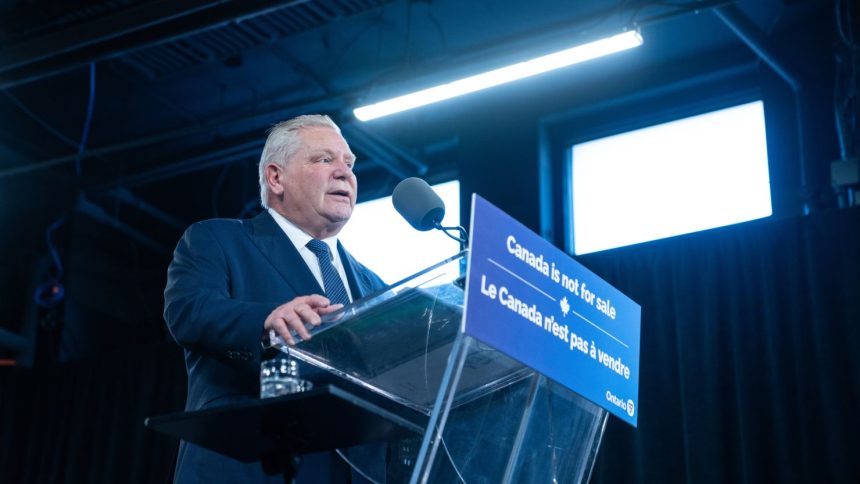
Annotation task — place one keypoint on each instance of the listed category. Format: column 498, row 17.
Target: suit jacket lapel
column 282, row 254
column 359, row 285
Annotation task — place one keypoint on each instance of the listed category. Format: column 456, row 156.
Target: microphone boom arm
column 463, row 238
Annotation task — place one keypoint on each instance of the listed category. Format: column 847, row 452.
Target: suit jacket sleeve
column 199, row 310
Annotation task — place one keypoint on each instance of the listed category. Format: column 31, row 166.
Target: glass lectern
column 487, row 417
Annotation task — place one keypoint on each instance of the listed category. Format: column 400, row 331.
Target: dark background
column 123, row 121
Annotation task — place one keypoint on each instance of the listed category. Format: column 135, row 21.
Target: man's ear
column 273, row 178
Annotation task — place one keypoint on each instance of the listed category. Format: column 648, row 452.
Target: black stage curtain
column 750, row 371
column 83, row 421
column 750, row 355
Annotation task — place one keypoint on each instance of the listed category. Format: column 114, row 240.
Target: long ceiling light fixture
column 513, row 72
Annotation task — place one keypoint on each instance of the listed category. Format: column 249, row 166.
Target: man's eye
column 325, row 160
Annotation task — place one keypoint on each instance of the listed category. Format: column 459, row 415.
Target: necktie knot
column 319, row 248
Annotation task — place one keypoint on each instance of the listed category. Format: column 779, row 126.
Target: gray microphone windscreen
column 418, row 203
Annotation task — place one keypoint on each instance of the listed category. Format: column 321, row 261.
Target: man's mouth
column 340, row 193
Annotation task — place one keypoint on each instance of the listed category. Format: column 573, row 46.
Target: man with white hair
column 232, row 281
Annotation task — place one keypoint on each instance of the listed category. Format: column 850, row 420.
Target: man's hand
column 296, row 314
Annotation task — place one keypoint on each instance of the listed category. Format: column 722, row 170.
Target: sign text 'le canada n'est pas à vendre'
column 536, row 304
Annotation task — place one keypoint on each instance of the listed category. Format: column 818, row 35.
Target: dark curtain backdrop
column 83, row 421
column 750, row 356
column 750, row 371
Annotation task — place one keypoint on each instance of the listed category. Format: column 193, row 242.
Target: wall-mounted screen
column 674, row 178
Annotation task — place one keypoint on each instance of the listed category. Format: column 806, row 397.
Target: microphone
column 423, row 209
column 418, row 204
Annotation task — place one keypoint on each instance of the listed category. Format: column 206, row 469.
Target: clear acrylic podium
column 489, row 419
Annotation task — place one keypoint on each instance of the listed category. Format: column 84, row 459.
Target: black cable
column 848, row 39
column 82, row 146
column 51, row 292
column 435, row 21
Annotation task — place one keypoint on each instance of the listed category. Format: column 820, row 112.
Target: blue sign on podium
column 536, row 304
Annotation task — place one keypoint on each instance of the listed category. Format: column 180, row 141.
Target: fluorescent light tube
column 538, row 65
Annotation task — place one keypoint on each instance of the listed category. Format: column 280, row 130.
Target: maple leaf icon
column 565, row 306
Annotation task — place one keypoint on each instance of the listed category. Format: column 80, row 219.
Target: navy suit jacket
column 225, row 279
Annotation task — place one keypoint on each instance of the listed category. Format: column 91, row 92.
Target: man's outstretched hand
column 297, row 315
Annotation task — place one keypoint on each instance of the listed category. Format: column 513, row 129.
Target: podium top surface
column 396, row 343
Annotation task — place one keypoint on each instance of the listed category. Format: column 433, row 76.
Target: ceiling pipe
column 100, row 215
column 750, row 34
column 182, row 167
column 377, row 153
column 419, row 166
column 321, row 104
column 125, row 195
column 753, row 37
column 95, row 31
column 123, row 32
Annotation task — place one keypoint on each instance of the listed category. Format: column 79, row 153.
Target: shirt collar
column 297, row 236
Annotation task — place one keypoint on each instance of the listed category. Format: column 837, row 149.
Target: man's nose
column 342, row 169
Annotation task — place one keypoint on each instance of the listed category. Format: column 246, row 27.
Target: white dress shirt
column 300, row 239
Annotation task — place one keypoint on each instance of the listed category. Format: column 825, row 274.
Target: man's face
column 319, row 187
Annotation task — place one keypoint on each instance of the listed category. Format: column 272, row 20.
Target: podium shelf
column 320, row 419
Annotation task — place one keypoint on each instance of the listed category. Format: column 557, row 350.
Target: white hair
column 282, row 144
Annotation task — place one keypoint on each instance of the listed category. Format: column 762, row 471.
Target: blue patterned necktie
column 334, row 289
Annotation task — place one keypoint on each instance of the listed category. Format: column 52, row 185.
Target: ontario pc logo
column 627, row 406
